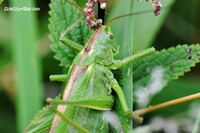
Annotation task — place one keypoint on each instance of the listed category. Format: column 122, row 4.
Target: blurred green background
column 27, row 61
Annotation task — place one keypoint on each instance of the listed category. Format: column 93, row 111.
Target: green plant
column 26, row 61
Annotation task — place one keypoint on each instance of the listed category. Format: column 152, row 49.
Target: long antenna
column 130, row 14
column 126, row 15
column 81, row 9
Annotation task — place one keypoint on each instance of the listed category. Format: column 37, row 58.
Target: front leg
column 69, row 42
column 120, row 63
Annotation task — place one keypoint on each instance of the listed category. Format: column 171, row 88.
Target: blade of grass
column 123, row 31
column 28, row 78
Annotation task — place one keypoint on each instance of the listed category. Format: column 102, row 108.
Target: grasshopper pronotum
column 90, row 81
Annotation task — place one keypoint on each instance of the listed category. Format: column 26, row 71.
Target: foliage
column 174, row 61
column 64, row 15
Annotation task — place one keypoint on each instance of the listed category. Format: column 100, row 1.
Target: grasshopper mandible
column 90, row 82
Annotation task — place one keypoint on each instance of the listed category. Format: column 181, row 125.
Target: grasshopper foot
column 135, row 116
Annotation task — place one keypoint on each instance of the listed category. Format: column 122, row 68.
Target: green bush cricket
column 90, row 82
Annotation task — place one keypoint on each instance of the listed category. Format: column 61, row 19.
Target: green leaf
column 81, row 3
column 123, row 33
column 174, row 61
column 63, row 15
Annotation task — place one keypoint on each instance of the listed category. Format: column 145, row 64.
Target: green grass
column 25, row 56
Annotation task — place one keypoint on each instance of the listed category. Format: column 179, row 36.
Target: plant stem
column 123, row 31
column 167, row 104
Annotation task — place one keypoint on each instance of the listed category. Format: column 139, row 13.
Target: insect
column 90, row 81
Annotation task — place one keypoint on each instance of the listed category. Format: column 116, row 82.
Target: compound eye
column 110, row 35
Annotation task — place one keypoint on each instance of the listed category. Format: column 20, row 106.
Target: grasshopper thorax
column 105, row 46
column 100, row 48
